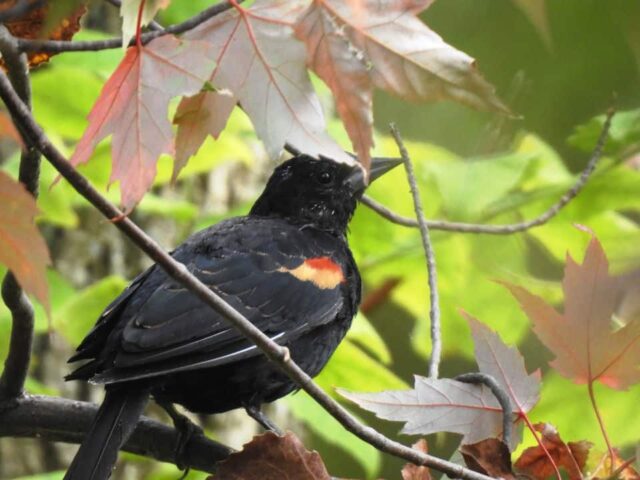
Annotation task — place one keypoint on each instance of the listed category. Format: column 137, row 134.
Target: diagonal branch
column 63, row 420
column 276, row 353
column 16, row 364
column 510, row 228
column 434, row 298
column 58, row 46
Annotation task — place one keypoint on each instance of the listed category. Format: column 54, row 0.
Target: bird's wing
column 283, row 293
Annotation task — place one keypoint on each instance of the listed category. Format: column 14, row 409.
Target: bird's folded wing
column 175, row 331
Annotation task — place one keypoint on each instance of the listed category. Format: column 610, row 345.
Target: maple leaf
column 206, row 113
column 272, row 457
column 331, row 55
column 436, row 405
column 586, row 344
column 535, row 462
column 133, row 107
column 22, row 248
column 129, row 10
column 55, row 20
column 261, row 62
column 490, row 457
column 415, row 472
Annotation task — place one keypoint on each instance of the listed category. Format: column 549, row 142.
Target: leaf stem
column 592, row 397
column 524, row 417
column 139, row 25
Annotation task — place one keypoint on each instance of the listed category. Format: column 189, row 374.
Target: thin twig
column 64, row 420
column 503, row 398
column 514, row 227
column 16, row 366
column 58, row 46
column 434, row 298
column 277, row 354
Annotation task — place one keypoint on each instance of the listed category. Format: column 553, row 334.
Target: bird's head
column 318, row 192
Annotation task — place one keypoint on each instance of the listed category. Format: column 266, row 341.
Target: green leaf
column 179, row 210
column 59, row 475
column 624, row 132
column 326, row 427
column 363, row 333
column 468, row 188
column 352, row 368
column 62, row 98
column 76, row 317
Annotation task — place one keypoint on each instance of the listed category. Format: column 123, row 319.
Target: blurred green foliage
column 463, row 176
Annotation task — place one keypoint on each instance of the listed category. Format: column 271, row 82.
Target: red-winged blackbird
column 286, row 267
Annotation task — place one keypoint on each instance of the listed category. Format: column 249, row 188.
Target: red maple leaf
column 261, row 62
column 133, row 107
column 587, row 345
column 22, row 248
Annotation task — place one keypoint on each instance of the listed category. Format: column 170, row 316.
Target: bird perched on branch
column 286, row 267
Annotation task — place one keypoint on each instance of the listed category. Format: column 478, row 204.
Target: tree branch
column 58, row 46
column 21, row 8
column 499, row 393
column 276, row 353
column 510, row 228
column 63, row 420
column 16, row 365
column 434, row 298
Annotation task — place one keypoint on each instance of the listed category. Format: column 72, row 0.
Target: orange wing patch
column 323, row 272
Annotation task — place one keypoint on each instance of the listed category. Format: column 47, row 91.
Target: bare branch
column 63, row 420
column 514, row 227
column 58, row 46
column 16, row 364
column 434, row 298
column 276, row 353
column 499, row 393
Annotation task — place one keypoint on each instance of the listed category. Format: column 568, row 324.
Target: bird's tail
column 114, row 422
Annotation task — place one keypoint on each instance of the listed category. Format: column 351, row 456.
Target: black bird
column 286, row 266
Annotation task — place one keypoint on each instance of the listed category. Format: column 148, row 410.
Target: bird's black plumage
column 286, row 267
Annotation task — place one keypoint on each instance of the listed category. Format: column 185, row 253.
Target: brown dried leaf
column 572, row 456
column 59, row 20
column 22, row 248
column 8, row 129
column 415, row 472
column 272, row 457
column 490, row 457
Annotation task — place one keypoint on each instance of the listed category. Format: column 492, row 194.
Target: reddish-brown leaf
column 22, row 248
column 415, row 472
column 8, row 129
column 587, row 345
column 402, row 54
column 58, row 20
column 490, row 457
column 572, row 457
column 331, row 55
column 133, row 107
column 199, row 116
column 272, row 457
column 262, row 63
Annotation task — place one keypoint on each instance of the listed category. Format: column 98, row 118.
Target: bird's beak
column 379, row 166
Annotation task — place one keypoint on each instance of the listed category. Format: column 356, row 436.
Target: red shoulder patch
column 323, row 272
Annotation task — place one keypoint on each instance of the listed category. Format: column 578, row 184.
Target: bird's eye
column 325, row 178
